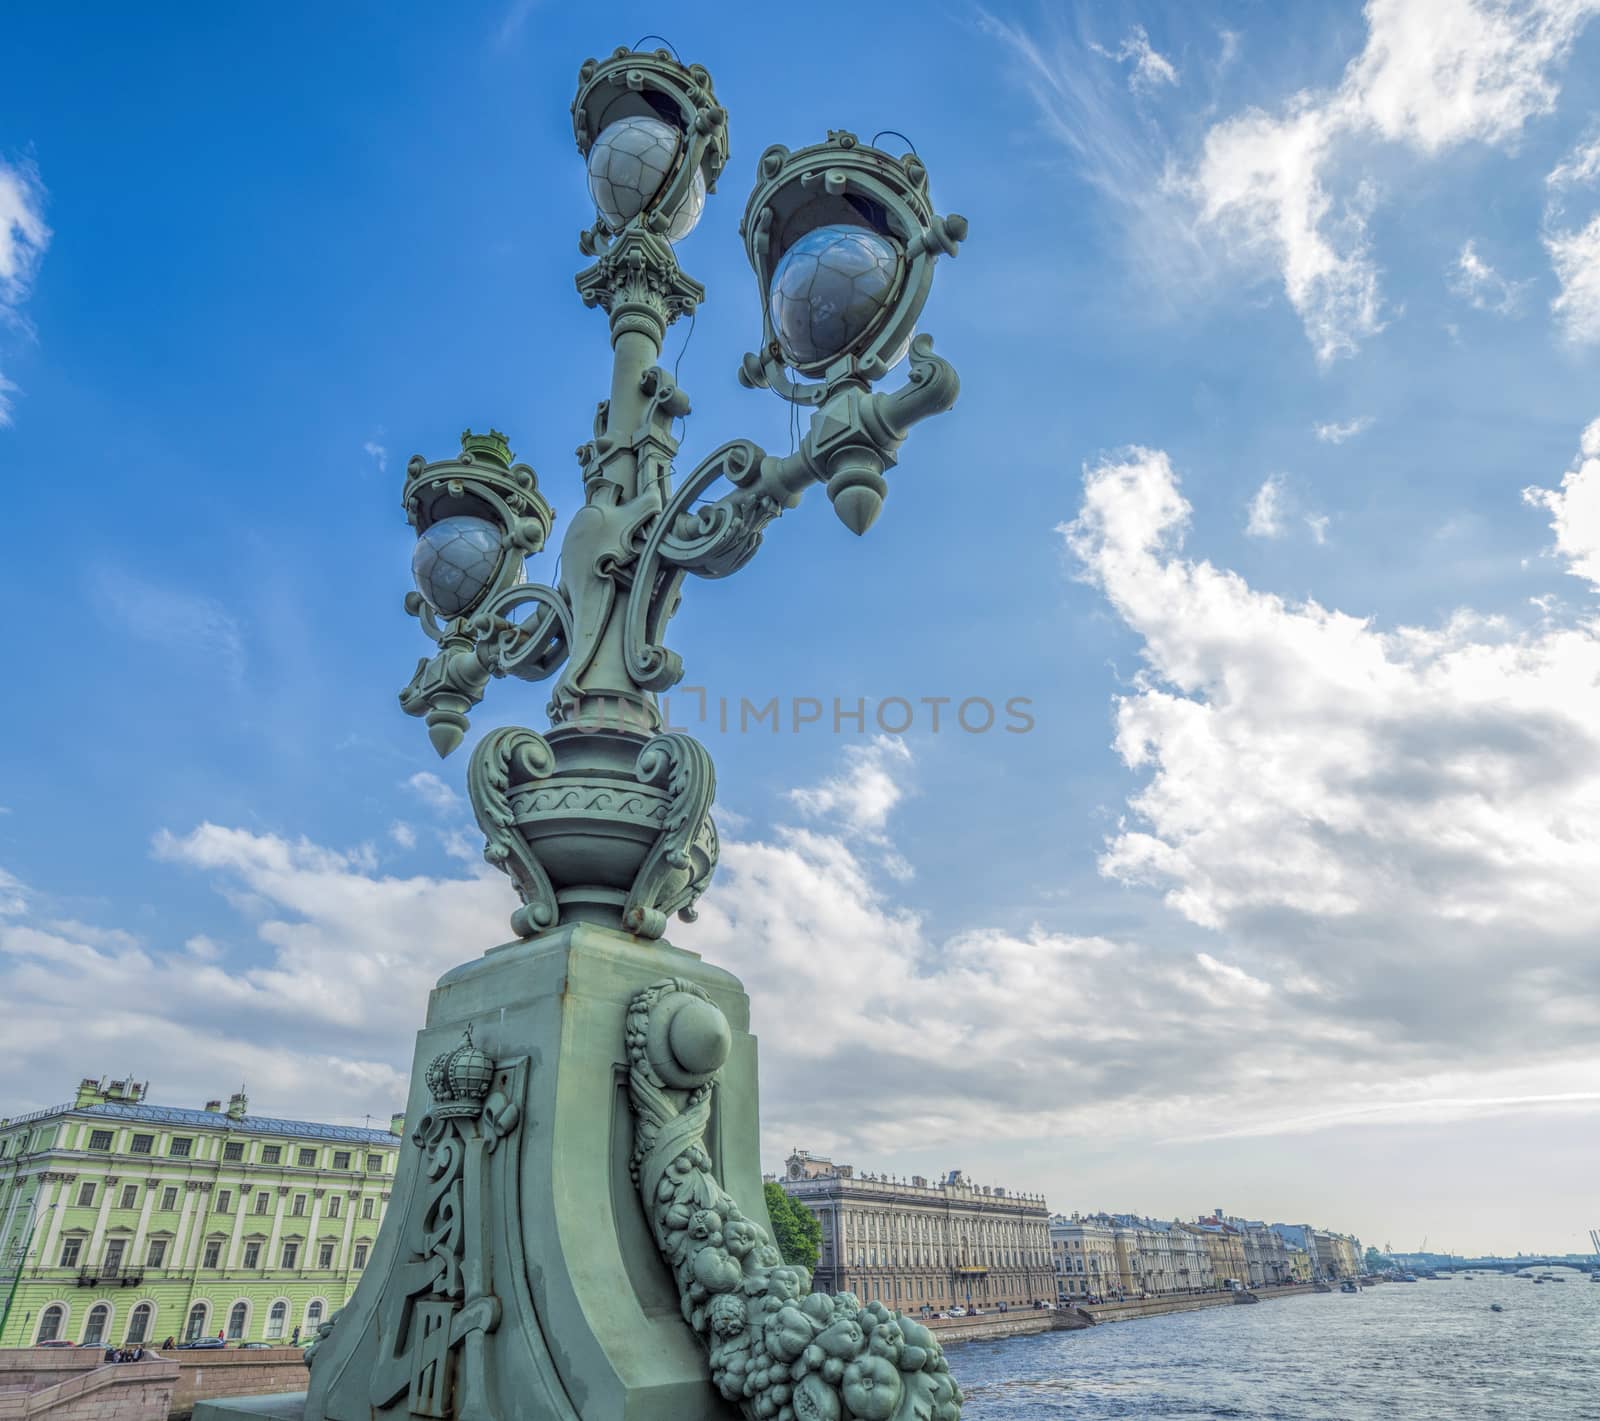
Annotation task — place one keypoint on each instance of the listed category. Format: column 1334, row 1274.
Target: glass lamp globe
column 628, row 167
column 828, row 289
column 454, row 561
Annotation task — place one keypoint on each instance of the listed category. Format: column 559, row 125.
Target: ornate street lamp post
column 580, row 1232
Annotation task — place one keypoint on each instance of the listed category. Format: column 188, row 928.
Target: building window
column 276, row 1319
column 143, row 1144
column 325, row 1256
column 299, row 1206
column 169, row 1199
column 99, row 1139
column 238, row 1315
column 233, row 1151
column 197, row 1321
column 252, row 1255
column 341, row 1159
column 374, row 1164
column 262, row 1203
column 314, row 1315
column 333, row 1207
column 95, row 1329
column 360, row 1259
column 271, row 1154
column 50, row 1323
column 130, row 1196
column 70, row 1249
column 291, row 1252
column 307, row 1159
column 139, row 1325
column 85, row 1195
column 224, row 1200
column 158, row 1253
column 213, row 1256
column 367, row 1206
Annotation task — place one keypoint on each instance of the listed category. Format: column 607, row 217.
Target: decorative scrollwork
column 680, row 863
column 777, row 1349
column 505, row 758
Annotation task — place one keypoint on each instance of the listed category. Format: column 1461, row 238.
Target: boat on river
column 1348, row 1287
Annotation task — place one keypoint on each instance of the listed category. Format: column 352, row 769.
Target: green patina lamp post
column 579, row 1233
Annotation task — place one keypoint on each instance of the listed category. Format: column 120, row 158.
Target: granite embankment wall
column 265, row 1371
column 77, row 1384
column 1154, row 1307
column 83, row 1387
column 988, row 1326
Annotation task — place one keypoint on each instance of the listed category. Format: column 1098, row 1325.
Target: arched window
column 314, row 1315
column 95, row 1329
column 139, row 1324
column 276, row 1319
column 51, row 1322
column 238, row 1315
column 197, row 1321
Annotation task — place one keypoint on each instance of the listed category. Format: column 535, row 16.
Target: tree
column 1376, row 1262
column 796, row 1230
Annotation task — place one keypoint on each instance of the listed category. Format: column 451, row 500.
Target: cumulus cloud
column 1575, row 256
column 434, row 792
column 1147, row 69
column 865, row 792
column 1481, row 286
column 1575, row 509
column 1266, row 509
column 378, row 454
column 1336, row 433
column 1433, row 74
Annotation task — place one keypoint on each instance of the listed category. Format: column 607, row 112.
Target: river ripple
column 1427, row 1351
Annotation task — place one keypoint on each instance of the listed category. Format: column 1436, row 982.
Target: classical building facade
column 1114, row 1256
column 122, row 1221
column 921, row 1245
column 1333, row 1256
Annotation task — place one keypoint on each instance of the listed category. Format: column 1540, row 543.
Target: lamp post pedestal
column 520, row 1214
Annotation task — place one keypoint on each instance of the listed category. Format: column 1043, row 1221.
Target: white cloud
column 1575, row 509
column 865, row 793
column 1149, row 69
column 1423, row 791
column 378, row 453
column 1575, row 255
column 434, row 792
column 403, row 834
column 23, row 240
column 1335, row 433
column 1580, row 168
column 1266, row 509
column 13, row 896
column 1318, row 524
column 1433, row 74
column 1472, row 279
column 23, row 234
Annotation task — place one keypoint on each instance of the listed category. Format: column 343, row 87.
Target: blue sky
column 1268, row 319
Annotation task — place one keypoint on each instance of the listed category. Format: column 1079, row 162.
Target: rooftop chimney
column 238, row 1103
column 213, row 1107
column 397, row 1124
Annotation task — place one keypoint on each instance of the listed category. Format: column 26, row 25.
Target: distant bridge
column 1513, row 1265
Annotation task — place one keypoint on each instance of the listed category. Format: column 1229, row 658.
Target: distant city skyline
column 1273, row 490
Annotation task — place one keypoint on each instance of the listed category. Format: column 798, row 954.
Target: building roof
column 216, row 1120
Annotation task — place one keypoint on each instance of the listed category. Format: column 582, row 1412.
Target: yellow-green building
column 122, row 1221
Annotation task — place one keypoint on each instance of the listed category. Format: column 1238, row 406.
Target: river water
column 1426, row 1351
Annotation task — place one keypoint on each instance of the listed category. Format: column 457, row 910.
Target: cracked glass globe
column 454, row 561
column 629, row 165
column 828, row 289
